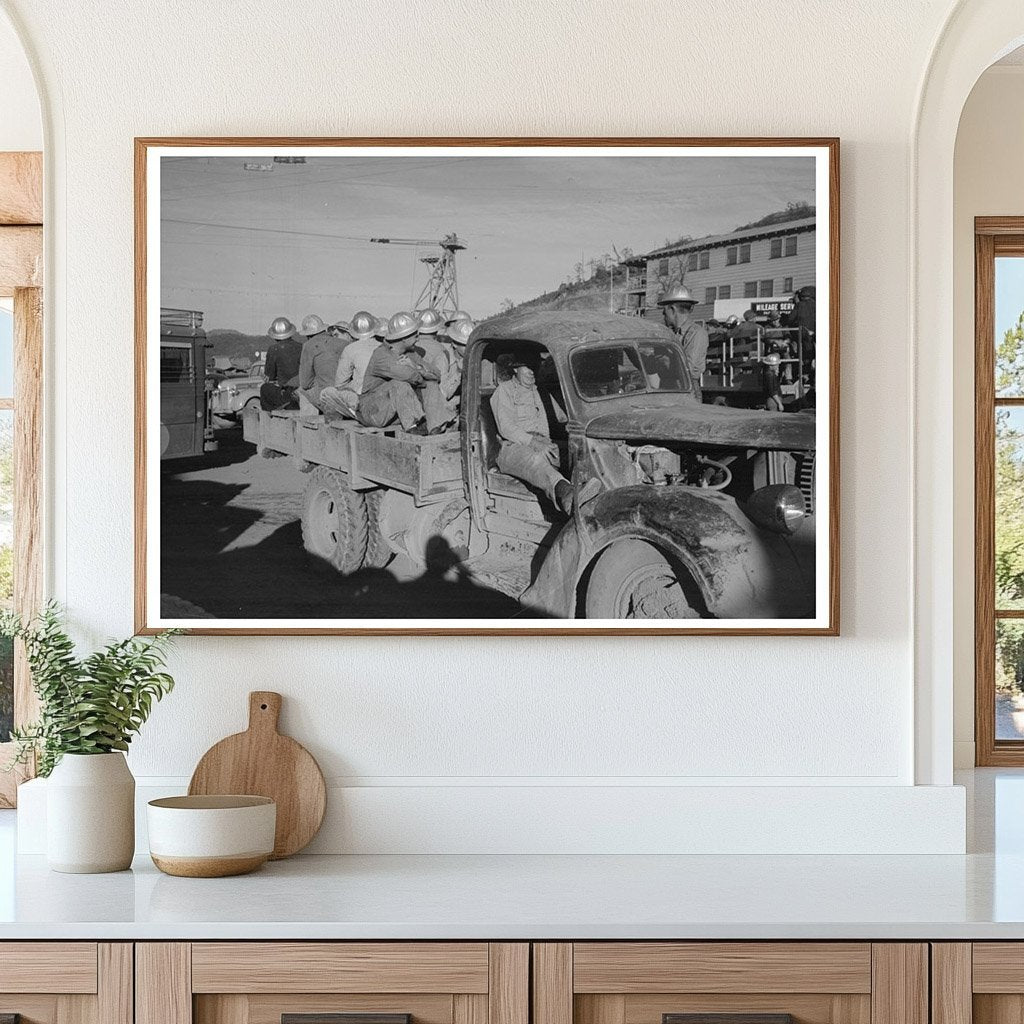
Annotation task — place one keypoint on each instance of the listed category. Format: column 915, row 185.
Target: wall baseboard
column 681, row 819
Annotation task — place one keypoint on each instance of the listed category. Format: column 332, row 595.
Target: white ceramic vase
column 90, row 814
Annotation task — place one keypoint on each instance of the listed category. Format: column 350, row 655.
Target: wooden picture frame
column 691, row 606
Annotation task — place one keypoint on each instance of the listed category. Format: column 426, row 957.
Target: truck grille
column 805, row 479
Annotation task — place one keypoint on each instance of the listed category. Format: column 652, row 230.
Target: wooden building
column 767, row 262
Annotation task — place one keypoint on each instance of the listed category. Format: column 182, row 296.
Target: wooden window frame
column 21, row 278
column 993, row 237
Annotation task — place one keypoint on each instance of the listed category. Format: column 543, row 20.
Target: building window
column 999, row 490
column 662, row 268
column 710, row 294
column 691, row 261
column 767, row 289
column 705, row 260
column 791, row 245
column 750, row 290
column 787, row 285
column 745, row 253
column 725, row 291
column 730, row 256
column 776, row 249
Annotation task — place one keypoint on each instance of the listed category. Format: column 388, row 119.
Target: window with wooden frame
column 21, row 365
column 999, row 490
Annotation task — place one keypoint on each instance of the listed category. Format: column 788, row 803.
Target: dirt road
column 231, row 546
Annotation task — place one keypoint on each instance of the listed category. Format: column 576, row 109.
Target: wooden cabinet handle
column 727, row 1018
column 337, row 1018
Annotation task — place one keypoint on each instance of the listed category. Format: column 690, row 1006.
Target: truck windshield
column 629, row 369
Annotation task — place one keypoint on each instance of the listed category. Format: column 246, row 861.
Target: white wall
column 21, row 127
column 987, row 181
column 448, row 713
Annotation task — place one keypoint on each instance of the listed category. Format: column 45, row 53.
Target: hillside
column 591, row 294
column 236, row 346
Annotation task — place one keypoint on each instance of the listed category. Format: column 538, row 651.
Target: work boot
column 564, row 496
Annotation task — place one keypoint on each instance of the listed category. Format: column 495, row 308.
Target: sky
column 245, row 246
column 1009, row 292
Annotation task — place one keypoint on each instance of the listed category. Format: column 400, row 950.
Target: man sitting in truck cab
column 398, row 384
column 527, row 451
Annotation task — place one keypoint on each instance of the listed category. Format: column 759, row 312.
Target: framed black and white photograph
column 505, row 386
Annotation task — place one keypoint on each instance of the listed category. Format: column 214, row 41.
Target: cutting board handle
column 264, row 710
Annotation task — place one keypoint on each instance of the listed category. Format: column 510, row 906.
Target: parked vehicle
column 704, row 511
column 186, row 425
column 234, row 393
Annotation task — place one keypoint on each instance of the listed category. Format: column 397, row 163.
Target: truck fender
column 739, row 570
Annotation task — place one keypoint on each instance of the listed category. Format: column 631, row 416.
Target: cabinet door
column 730, row 983
column 332, row 983
column 65, row 983
column 980, row 982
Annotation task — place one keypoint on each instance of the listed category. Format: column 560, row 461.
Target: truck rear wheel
column 632, row 579
column 334, row 521
column 378, row 552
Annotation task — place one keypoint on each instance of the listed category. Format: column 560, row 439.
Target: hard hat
column 459, row 314
column 311, row 325
column 281, row 329
column 401, row 325
column 341, row 327
column 364, row 325
column 677, row 293
column 430, row 321
column 460, row 331
column 382, row 327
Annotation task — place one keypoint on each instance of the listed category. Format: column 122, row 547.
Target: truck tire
column 334, row 521
column 378, row 553
column 632, row 579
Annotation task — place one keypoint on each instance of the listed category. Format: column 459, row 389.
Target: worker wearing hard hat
column 677, row 308
column 399, row 384
column 282, row 367
column 343, row 396
column 319, row 364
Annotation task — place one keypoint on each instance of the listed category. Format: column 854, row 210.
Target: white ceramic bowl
column 211, row 836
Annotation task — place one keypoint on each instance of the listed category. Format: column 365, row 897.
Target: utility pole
column 441, row 292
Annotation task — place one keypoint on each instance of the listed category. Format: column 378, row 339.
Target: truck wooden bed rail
column 428, row 468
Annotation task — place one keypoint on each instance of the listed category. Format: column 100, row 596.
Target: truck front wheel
column 378, row 551
column 632, row 579
column 334, row 523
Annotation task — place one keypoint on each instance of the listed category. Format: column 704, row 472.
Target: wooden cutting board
column 262, row 762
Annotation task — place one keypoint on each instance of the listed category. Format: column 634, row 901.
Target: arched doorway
column 977, row 33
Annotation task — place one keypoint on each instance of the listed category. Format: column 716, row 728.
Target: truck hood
column 713, row 425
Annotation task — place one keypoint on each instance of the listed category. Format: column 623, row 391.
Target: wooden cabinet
column 752, row 982
column 978, row 983
column 66, row 982
column 310, row 982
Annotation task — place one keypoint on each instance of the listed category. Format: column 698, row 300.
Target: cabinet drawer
column 730, row 983
column 65, row 967
column 332, row 983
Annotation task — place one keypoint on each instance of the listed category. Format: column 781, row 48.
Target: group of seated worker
column 527, row 451
column 406, row 369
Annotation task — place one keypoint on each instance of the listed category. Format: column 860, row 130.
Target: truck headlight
column 777, row 507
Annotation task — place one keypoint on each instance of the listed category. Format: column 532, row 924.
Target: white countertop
column 977, row 896
column 517, row 897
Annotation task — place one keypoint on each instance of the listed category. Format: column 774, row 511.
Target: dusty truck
column 703, row 511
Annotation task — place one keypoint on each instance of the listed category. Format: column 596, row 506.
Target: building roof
column 788, row 227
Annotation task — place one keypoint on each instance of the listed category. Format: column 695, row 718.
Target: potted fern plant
column 90, row 708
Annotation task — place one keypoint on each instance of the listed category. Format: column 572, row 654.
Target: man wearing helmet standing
column 677, row 308
column 282, row 367
column 436, row 354
column 399, row 384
